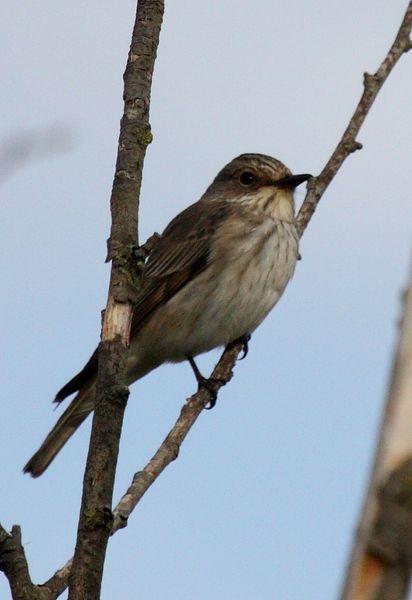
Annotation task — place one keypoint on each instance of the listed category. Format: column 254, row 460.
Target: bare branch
column 169, row 450
column 57, row 584
column 381, row 558
column 97, row 522
column 14, row 565
column 96, row 519
column 348, row 144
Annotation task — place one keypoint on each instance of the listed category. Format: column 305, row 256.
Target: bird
column 214, row 274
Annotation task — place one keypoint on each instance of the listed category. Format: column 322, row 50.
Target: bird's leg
column 208, row 384
column 244, row 340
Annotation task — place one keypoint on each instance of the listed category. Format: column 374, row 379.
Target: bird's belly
column 224, row 302
column 247, row 292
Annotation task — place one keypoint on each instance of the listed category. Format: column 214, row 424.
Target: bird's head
column 259, row 181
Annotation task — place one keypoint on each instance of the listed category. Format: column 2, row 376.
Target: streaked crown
column 248, row 173
column 266, row 170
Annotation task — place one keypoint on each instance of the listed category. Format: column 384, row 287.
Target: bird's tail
column 74, row 415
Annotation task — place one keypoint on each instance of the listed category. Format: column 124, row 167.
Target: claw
column 208, row 385
column 245, row 349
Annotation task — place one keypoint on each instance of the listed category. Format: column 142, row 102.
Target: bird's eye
column 247, row 178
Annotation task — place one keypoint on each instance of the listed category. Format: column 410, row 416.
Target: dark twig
column 14, row 565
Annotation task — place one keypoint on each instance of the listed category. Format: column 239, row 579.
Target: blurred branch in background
column 381, row 560
column 18, row 149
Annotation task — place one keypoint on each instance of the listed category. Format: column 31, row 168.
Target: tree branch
column 169, row 449
column 57, row 584
column 96, row 519
column 348, row 143
column 381, row 559
column 14, row 565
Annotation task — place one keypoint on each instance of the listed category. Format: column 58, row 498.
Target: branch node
column 144, row 135
column 174, row 448
column 100, row 518
column 352, row 146
column 16, row 534
column 128, row 262
column 123, row 173
column 4, row 535
column 370, row 81
column 122, row 521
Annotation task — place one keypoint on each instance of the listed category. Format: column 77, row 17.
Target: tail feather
column 78, row 381
column 78, row 410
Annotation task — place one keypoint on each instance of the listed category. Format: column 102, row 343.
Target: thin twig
column 169, row 449
column 348, row 143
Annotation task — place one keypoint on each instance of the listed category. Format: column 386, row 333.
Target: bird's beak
column 292, row 181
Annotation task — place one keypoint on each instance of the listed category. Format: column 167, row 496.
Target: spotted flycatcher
column 218, row 269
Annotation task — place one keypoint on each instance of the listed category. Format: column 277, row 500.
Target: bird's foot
column 209, row 385
column 203, row 382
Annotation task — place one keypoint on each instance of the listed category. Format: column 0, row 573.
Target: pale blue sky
column 263, row 499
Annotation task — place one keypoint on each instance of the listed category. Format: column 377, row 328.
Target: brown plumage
column 217, row 270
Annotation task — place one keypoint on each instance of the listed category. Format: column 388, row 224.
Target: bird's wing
column 179, row 256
